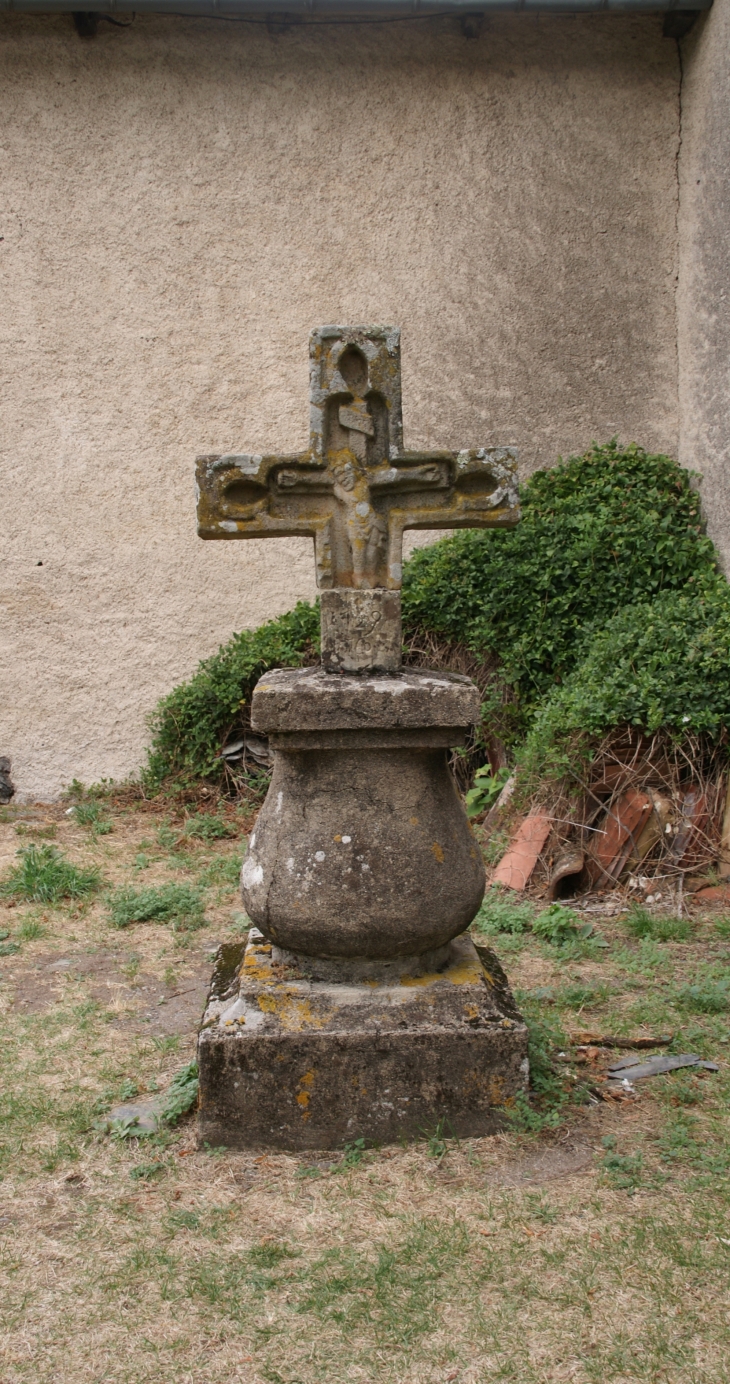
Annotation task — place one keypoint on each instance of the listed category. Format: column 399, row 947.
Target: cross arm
column 248, row 496
column 469, row 489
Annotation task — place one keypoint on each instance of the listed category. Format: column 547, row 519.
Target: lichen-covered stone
column 290, row 1062
column 355, row 491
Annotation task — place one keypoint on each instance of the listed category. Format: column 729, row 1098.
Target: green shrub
column 190, row 725
column 178, row 904
column 660, row 665
column 612, row 528
column 44, row 875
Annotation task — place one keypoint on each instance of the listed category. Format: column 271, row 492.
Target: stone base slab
column 289, row 1062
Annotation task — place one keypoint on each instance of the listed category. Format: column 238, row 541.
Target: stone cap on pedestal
column 308, row 699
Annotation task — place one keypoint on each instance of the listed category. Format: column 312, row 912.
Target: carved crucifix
column 355, row 491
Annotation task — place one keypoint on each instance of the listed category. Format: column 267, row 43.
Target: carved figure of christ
column 355, row 490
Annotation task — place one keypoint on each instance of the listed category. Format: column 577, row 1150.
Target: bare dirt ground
column 597, row 1250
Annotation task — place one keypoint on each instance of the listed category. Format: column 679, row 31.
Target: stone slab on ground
column 291, row 1062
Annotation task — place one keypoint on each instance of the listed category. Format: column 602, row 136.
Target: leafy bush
column 44, row 875
column 178, row 904
column 612, row 528
column 191, row 724
column 664, row 664
column 486, row 790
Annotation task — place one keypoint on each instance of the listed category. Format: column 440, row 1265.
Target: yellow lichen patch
column 337, row 838
column 414, row 821
column 471, row 1011
column 496, row 1090
column 468, row 973
column 303, row 1096
column 293, row 1013
column 438, row 852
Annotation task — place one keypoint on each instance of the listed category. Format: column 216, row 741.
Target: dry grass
column 598, row 1253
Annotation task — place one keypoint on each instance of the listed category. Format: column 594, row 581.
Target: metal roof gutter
column 320, row 9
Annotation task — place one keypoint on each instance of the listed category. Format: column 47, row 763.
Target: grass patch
column 180, row 905
column 44, row 875
column 91, row 815
column 707, row 997
column 640, row 923
column 222, row 873
column 206, row 826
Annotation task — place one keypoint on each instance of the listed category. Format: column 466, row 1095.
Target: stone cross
column 355, row 491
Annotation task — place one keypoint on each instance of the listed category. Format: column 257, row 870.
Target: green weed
column 707, row 997
column 145, row 1172
column 437, row 1139
column 502, row 912
column 550, row 1088
column 269, row 1253
column 181, row 905
column 487, row 788
column 44, row 875
column 353, row 1154
column 181, row 1094
column 623, row 1171
column 580, row 996
column 31, row 930
column 91, row 815
column 204, row 826
column 559, row 925
column 40, row 833
column 223, row 872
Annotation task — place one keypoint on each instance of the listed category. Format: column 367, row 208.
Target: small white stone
column 319, row 855
column 346, row 840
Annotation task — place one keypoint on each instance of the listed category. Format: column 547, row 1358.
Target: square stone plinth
column 292, row 1062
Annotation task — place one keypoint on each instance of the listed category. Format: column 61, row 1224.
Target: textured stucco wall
column 704, row 282
column 183, row 200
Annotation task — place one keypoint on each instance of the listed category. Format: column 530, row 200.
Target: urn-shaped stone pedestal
column 359, row 1007
column 362, row 848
